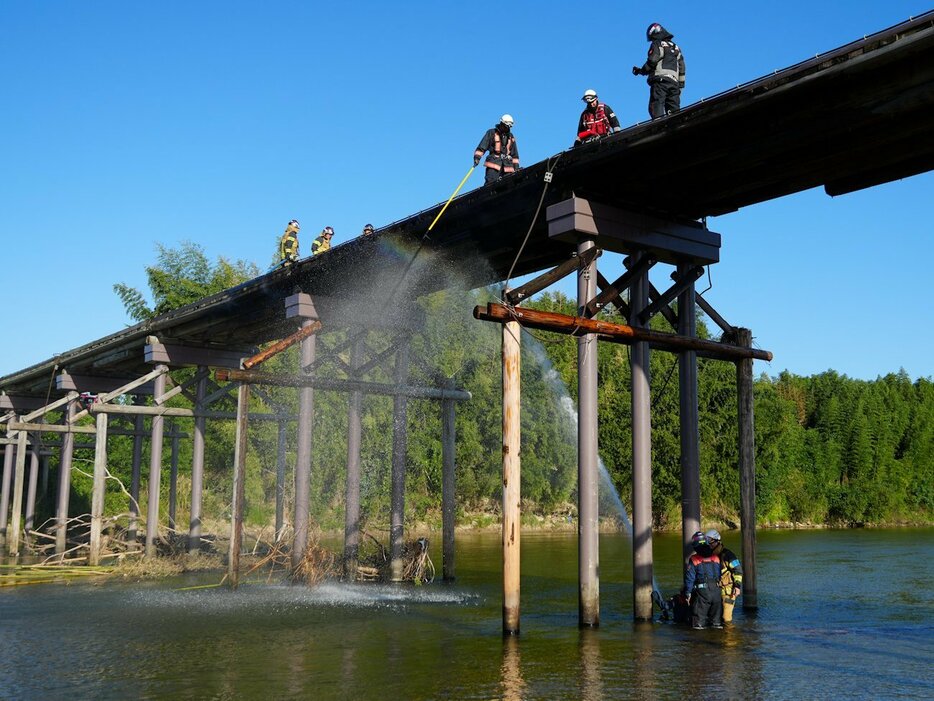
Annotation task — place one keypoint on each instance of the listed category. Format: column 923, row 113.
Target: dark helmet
column 368, row 229
column 656, row 31
column 698, row 540
column 328, row 231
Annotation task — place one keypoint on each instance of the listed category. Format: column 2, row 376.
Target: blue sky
column 127, row 124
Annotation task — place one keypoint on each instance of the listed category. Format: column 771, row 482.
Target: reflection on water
column 829, row 627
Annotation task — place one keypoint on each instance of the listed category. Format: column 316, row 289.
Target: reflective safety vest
column 497, row 159
column 595, row 123
column 320, row 245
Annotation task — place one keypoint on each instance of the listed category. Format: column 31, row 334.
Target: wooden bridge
column 851, row 118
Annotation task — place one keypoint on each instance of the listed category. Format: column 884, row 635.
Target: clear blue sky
column 127, row 124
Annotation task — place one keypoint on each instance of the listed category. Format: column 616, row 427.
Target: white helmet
column 589, row 95
column 507, row 120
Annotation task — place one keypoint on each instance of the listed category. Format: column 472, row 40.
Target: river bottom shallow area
column 843, row 614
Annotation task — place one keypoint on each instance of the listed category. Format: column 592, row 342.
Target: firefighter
column 323, row 242
column 701, row 582
column 731, row 573
column 288, row 244
column 368, row 229
column 503, row 156
column 665, row 70
column 597, row 120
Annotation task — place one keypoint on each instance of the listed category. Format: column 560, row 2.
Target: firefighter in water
column 665, row 69
column 323, row 242
column 288, row 244
column 731, row 573
column 597, row 120
column 702, row 584
column 503, row 156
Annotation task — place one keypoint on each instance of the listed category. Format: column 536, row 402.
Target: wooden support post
column 399, row 449
column 239, row 478
column 448, row 487
column 688, row 415
column 280, row 478
column 17, row 509
column 136, row 477
column 306, row 417
column 511, row 476
column 588, row 510
column 197, row 468
column 64, row 482
column 98, row 490
column 8, row 454
column 173, row 476
column 352, row 495
column 29, row 522
column 747, row 470
column 642, row 564
column 155, row 468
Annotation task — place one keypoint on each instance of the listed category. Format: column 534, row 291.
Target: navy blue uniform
column 702, row 582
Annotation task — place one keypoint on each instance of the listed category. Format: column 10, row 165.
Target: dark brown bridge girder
column 853, row 117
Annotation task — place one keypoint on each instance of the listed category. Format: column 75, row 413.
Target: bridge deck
column 851, row 118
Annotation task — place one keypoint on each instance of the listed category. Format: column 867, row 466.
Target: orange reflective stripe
column 494, row 166
column 496, row 143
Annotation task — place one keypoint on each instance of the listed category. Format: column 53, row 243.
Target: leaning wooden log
column 617, row 333
column 282, row 345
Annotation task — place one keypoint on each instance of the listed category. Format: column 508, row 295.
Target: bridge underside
column 854, row 117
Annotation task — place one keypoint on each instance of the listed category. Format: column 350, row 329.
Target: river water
column 843, row 614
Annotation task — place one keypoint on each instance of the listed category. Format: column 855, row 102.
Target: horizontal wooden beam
column 266, row 378
column 178, row 355
column 97, row 384
column 617, row 333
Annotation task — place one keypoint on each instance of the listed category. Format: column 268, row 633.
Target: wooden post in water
column 173, row 476
column 98, row 489
column 747, row 470
column 399, row 449
column 8, row 452
column 155, row 468
column 642, row 564
column 239, row 477
column 29, row 522
column 511, row 476
column 64, row 482
column 688, row 415
column 352, row 494
column 139, row 425
column 17, row 509
column 588, row 510
column 448, row 486
column 301, row 307
column 197, row 466
column 281, row 441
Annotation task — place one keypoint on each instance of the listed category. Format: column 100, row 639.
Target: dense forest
column 829, row 449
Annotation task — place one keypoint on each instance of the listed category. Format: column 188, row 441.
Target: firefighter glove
column 476, row 161
column 635, row 70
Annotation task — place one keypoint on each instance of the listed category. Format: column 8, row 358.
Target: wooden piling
column 588, row 521
column 8, row 459
column 239, row 478
column 511, row 476
column 448, row 487
column 688, row 416
column 306, row 417
column 197, row 466
column 281, row 440
column 17, row 508
column 29, row 522
column 155, row 467
column 98, row 490
column 139, row 425
column 352, row 493
column 399, row 449
column 64, row 481
column 642, row 563
column 747, row 470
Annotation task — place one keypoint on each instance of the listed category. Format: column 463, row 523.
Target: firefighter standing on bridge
column 597, row 120
column 288, row 244
column 323, row 242
column 665, row 69
column 503, row 157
